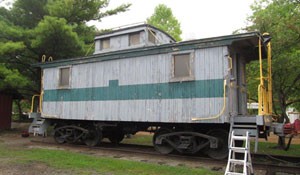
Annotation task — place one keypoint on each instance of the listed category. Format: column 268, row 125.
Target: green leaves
column 75, row 11
column 281, row 19
column 10, row 38
column 57, row 39
column 8, row 47
column 57, row 28
column 163, row 19
column 27, row 14
column 11, row 78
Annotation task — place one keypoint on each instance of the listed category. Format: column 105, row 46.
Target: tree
column 11, row 79
column 54, row 37
column 281, row 19
column 57, row 28
column 163, row 19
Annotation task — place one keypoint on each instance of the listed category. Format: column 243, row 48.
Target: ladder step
column 243, row 134
column 37, row 126
column 239, row 149
column 244, row 126
column 233, row 173
column 239, row 137
column 237, row 161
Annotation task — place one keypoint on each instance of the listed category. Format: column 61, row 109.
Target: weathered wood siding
column 139, row 89
column 120, row 40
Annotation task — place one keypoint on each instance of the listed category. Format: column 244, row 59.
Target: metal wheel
column 58, row 136
column 93, row 137
column 164, row 147
column 116, row 137
column 222, row 151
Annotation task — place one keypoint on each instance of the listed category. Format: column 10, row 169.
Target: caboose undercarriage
column 184, row 138
column 209, row 139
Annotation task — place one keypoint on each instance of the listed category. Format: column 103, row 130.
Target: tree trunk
column 282, row 103
column 282, row 119
column 18, row 103
column 281, row 142
column 285, row 117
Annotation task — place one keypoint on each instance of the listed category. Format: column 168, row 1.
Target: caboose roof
column 246, row 44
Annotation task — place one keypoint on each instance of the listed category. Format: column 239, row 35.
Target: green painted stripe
column 183, row 90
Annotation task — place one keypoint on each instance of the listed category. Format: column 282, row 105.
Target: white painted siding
column 176, row 110
column 209, row 63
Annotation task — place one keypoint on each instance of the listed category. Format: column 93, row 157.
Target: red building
column 6, row 101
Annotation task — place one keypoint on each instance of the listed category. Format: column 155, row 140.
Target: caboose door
column 241, row 85
column 238, row 85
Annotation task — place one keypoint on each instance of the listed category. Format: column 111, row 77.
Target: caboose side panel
column 141, row 88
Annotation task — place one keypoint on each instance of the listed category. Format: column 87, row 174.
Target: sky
column 198, row 18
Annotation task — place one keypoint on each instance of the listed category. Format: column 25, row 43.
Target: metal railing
column 265, row 87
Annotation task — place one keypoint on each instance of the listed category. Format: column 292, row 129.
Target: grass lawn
column 140, row 139
column 270, row 148
column 87, row 164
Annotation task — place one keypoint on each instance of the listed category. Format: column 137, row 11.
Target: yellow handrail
column 222, row 110
column 270, row 81
column 224, row 98
column 32, row 104
column 39, row 109
column 265, row 93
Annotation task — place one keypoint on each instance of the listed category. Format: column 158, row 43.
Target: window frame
column 152, row 35
column 102, row 41
column 132, row 34
column 191, row 76
column 60, row 86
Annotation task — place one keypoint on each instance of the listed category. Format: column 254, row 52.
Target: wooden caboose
column 190, row 93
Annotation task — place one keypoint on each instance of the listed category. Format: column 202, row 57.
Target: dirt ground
column 13, row 139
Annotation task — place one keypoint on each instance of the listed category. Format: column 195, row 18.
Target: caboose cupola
column 131, row 37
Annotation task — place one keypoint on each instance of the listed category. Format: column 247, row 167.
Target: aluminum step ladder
column 241, row 125
column 236, row 165
column 39, row 125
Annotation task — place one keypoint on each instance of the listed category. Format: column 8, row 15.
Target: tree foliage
column 164, row 19
column 57, row 28
column 49, row 33
column 11, row 78
column 281, row 19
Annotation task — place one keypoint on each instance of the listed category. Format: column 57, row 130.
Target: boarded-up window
column 152, row 36
column 134, row 39
column 182, row 65
column 64, row 77
column 105, row 43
